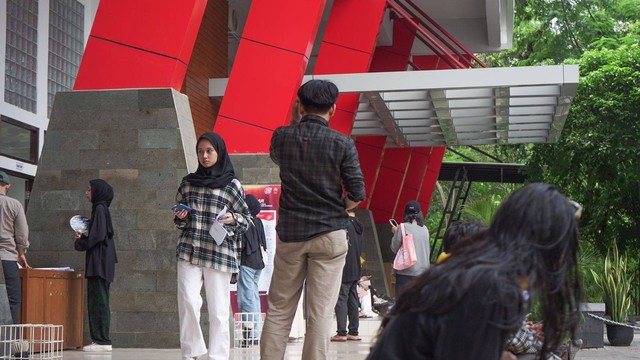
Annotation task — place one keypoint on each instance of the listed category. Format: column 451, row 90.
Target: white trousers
column 216, row 284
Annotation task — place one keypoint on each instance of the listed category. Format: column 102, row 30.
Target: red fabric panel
column 250, row 138
column 370, row 151
column 165, row 27
column 290, row 25
column 354, row 24
column 261, row 89
column 395, row 163
column 347, row 47
column 271, row 60
column 413, row 179
column 140, row 44
column 431, row 177
column 396, row 56
column 346, row 106
column 151, row 70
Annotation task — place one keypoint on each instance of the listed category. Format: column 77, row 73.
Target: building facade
column 42, row 47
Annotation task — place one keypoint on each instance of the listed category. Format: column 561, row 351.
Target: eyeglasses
column 578, row 209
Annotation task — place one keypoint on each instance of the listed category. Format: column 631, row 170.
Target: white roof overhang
column 458, row 107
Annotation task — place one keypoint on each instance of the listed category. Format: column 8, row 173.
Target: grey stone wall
column 255, row 169
column 142, row 142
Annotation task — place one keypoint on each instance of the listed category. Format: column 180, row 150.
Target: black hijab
column 221, row 173
column 101, row 193
column 253, row 204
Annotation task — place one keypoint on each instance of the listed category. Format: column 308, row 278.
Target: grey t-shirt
column 421, row 242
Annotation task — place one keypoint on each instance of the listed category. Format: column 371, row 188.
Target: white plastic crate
column 31, row 341
column 246, row 329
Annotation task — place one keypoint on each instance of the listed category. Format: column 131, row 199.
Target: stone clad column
column 142, row 142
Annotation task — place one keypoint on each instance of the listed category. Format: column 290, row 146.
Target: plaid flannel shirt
column 525, row 341
column 196, row 244
column 315, row 163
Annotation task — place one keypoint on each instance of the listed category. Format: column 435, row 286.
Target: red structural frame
column 148, row 44
column 140, row 44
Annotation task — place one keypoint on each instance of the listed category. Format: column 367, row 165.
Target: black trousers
column 14, row 289
column 98, row 308
column 348, row 306
column 401, row 282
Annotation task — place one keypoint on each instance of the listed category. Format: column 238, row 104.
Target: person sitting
column 457, row 231
column 365, row 296
column 479, row 295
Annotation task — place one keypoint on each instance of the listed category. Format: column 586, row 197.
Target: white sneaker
column 19, row 346
column 93, row 347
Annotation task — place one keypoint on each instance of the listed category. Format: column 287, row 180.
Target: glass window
column 19, row 141
column 21, row 54
column 66, row 36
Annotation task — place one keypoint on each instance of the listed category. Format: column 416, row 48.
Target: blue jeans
column 249, row 296
column 14, row 289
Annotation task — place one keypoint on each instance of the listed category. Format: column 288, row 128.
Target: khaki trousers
column 319, row 261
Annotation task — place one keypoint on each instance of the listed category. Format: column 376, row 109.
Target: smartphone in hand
column 393, row 222
column 181, row 206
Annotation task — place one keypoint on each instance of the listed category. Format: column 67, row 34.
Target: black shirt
column 254, row 239
column 315, row 161
column 100, row 258
column 469, row 331
column 352, row 269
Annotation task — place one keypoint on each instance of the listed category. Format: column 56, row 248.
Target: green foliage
column 589, row 260
column 551, row 31
column 615, row 282
column 481, row 209
column 596, row 162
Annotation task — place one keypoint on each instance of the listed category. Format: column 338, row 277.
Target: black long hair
column 531, row 243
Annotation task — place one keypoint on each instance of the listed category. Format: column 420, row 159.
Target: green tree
column 597, row 160
column 551, row 31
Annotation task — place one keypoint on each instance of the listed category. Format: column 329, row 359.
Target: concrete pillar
column 142, row 142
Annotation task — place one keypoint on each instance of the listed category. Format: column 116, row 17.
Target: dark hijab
column 221, row 173
column 101, row 193
column 253, row 204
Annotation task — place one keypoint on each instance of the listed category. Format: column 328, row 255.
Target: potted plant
column 615, row 282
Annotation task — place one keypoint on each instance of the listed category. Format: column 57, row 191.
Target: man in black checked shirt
column 317, row 165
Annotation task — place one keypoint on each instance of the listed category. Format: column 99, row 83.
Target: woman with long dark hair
column 466, row 307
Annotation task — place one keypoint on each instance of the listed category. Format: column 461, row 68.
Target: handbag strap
column 402, row 231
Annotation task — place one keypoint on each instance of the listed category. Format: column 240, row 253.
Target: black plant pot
column 619, row 335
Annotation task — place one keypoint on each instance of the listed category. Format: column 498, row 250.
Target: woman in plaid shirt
column 208, row 192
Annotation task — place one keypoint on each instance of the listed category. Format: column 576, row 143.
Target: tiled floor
column 350, row 350
column 343, row 351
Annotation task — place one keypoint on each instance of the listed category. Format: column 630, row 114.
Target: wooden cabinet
column 54, row 297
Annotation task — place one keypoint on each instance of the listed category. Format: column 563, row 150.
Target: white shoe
column 19, row 346
column 93, row 347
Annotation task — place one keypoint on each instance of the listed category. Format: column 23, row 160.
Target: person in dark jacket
column 348, row 300
column 100, row 263
column 251, row 265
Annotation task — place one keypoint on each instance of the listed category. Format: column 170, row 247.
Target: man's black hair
column 318, row 96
